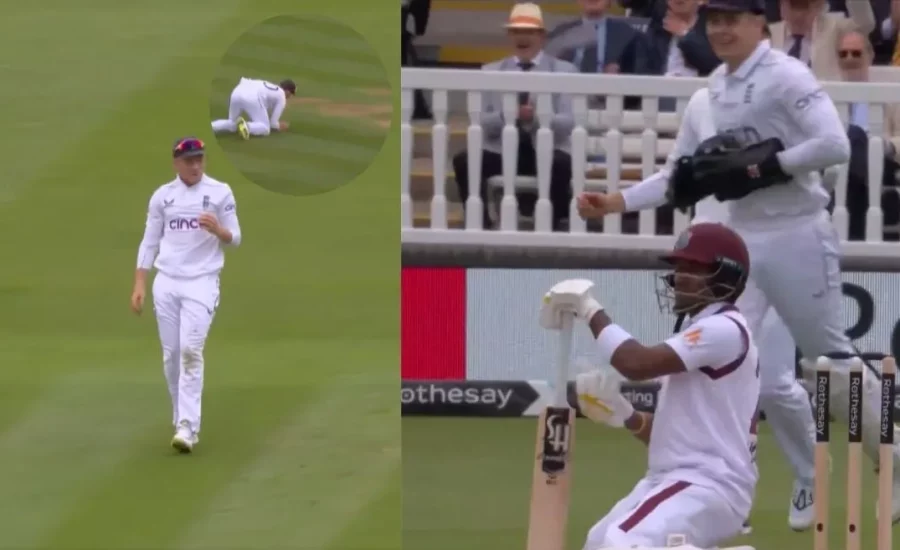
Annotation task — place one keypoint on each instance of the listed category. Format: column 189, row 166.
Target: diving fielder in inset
column 190, row 221
column 263, row 102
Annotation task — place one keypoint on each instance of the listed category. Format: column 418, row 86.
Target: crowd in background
column 838, row 39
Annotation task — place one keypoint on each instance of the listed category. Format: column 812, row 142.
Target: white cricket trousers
column 663, row 505
column 245, row 99
column 796, row 270
column 185, row 309
column 782, row 398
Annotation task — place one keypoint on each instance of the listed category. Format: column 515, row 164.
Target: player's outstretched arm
column 822, row 139
column 633, row 360
column 615, row 345
column 715, row 340
column 652, row 192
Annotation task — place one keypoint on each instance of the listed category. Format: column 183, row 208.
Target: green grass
column 339, row 119
column 300, row 442
column 467, row 483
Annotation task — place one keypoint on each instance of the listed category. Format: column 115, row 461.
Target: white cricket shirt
column 704, row 427
column 173, row 236
column 271, row 96
column 771, row 95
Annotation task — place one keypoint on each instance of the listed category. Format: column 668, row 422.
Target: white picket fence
column 618, row 127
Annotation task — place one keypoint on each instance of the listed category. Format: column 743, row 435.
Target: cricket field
column 300, row 447
column 467, row 484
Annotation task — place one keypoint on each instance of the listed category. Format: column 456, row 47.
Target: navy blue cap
column 289, row 85
column 752, row 6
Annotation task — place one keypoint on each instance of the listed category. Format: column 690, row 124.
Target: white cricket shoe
column 185, row 440
column 802, row 513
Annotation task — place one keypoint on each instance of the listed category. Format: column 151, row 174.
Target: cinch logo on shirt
column 184, row 224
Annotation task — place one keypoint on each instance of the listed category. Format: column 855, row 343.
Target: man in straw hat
column 527, row 35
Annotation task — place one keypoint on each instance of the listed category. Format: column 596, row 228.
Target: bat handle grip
column 562, row 363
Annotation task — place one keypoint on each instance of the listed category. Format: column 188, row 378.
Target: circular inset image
column 301, row 105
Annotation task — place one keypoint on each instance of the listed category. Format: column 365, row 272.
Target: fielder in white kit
column 190, row 221
column 263, row 102
column 702, row 473
column 775, row 130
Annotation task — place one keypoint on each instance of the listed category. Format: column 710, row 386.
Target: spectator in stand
column 527, row 34
column 855, row 56
column 418, row 11
column 651, row 9
column 678, row 45
column 808, row 32
column 884, row 39
column 597, row 43
column 773, row 11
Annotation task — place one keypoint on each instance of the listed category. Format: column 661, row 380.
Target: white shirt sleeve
column 651, row 192
column 715, row 342
column 280, row 104
column 229, row 219
column 823, row 139
column 153, row 233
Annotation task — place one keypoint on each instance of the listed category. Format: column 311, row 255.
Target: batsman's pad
column 735, row 170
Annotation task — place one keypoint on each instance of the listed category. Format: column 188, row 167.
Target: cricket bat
column 550, row 484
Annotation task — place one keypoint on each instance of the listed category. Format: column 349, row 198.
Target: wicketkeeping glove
column 600, row 397
column 735, row 172
column 684, row 190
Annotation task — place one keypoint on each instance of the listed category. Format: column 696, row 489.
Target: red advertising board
column 433, row 323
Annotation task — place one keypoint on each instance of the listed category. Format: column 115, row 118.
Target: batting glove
column 572, row 296
column 600, row 397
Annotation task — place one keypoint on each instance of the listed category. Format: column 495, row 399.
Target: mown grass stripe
column 68, row 441
column 378, row 525
column 307, row 486
column 82, row 95
column 153, row 494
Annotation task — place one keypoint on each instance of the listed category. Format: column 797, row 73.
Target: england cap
column 188, row 147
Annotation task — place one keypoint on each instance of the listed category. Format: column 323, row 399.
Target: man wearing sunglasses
column 190, row 221
column 263, row 102
column 855, row 55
